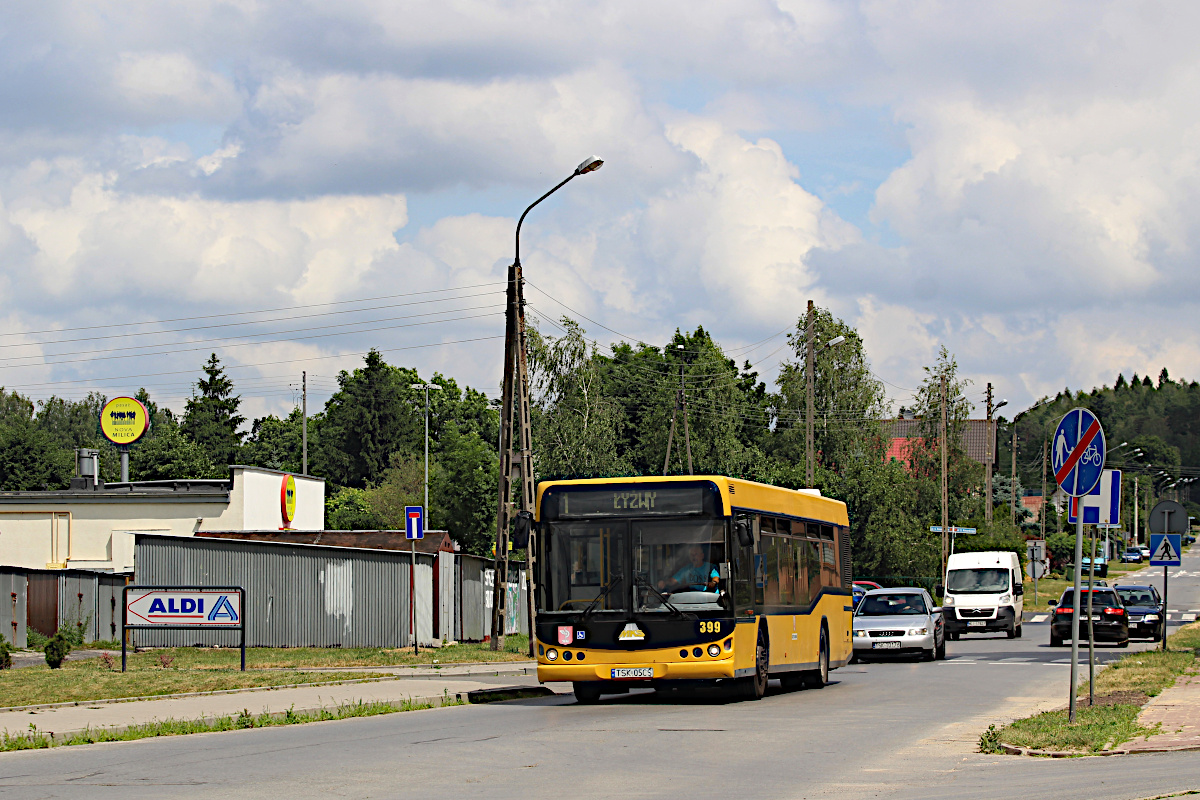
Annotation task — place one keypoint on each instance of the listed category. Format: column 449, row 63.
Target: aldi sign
column 183, row 608
column 202, row 608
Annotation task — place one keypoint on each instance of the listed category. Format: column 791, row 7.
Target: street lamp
column 412, row 595
column 516, row 393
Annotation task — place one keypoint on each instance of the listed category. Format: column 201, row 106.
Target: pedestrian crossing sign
column 1165, row 550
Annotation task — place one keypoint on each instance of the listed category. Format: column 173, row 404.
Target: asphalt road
column 895, row 730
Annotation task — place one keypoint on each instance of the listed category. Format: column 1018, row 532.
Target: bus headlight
column 714, row 650
column 552, row 654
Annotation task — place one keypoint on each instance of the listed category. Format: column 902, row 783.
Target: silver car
column 891, row 622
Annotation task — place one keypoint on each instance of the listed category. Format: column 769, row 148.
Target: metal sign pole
column 1166, row 527
column 1091, row 624
column 124, row 623
column 1075, row 615
column 242, row 601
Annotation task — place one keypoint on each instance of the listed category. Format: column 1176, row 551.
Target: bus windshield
column 619, row 565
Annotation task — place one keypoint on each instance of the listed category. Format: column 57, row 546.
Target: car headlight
column 858, row 634
column 918, row 631
column 1150, row 618
column 948, row 601
column 552, row 654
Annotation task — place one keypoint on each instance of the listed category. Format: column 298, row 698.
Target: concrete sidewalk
column 424, row 685
column 1177, row 710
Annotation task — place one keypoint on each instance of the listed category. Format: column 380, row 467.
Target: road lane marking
column 1188, row 617
column 1040, row 618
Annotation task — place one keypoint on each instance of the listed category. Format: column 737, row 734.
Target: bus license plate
column 885, row 645
column 633, row 672
column 976, row 624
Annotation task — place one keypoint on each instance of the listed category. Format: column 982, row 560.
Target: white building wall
column 96, row 531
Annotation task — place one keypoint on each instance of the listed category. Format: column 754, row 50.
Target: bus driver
column 699, row 575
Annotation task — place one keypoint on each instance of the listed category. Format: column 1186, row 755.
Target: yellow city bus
column 653, row 581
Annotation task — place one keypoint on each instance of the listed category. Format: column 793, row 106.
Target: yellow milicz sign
column 123, row 420
column 287, row 500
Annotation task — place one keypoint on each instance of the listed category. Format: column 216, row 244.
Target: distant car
column 1110, row 622
column 1101, row 566
column 858, row 591
column 1132, row 555
column 1145, row 552
column 891, row 622
column 1144, row 607
column 868, row 585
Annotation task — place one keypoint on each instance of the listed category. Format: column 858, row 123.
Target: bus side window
column 799, row 558
column 770, row 554
column 743, row 575
column 813, row 563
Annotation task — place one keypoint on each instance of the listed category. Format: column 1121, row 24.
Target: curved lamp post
column 516, row 392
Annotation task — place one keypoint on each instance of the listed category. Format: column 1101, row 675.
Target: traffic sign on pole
column 951, row 529
column 1165, row 549
column 1078, row 452
column 1102, row 505
column 414, row 522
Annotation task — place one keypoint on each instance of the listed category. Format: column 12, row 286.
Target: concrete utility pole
column 945, row 486
column 1137, row 501
column 680, row 404
column 304, row 422
column 810, row 359
column 516, row 465
column 1045, row 453
column 1012, row 493
column 987, row 468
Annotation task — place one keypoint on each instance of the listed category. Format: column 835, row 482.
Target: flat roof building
column 92, row 524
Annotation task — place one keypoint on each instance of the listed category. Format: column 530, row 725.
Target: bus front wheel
column 754, row 687
column 586, row 692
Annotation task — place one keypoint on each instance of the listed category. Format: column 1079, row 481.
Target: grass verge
column 1121, row 689
column 36, row 739
column 516, row 648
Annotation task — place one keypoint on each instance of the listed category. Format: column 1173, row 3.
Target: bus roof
column 735, row 493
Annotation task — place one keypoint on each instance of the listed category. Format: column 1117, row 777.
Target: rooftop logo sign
column 123, row 420
column 287, row 500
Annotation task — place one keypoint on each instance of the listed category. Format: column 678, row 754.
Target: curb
column 509, row 693
column 435, row 701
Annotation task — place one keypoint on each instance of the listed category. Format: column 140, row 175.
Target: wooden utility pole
column 304, row 421
column 810, row 456
column 987, row 468
column 1012, row 494
column 945, row 486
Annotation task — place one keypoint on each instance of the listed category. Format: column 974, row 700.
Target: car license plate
column 885, row 645
column 976, row 623
column 633, row 672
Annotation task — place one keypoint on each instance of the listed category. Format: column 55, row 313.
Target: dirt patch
column 1118, row 698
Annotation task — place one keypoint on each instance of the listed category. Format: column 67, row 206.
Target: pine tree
column 211, row 418
column 1120, row 384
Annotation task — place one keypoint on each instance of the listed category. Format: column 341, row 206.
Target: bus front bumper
column 700, row 669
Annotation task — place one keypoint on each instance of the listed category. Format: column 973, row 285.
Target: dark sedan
column 1109, row 622
column 1132, row 555
column 1145, row 610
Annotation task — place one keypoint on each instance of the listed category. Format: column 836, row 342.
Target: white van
column 983, row 593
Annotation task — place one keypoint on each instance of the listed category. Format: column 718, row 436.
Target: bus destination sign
column 632, row 502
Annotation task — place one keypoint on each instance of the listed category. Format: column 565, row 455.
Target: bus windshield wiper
column 660, row 595
column 608, row 587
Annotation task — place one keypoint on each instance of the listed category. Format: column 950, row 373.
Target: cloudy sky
column 290, row 183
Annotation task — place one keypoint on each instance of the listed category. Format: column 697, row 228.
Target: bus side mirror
column 744, row 535
column 521, row 530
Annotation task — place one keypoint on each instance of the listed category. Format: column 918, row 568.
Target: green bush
column 6, row 651
column 56, row 650
column 36, row 640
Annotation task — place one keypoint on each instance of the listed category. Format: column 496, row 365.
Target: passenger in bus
column 698, row 575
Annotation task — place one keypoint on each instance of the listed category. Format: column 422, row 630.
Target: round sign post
column 1078, row 451
column 123, row 421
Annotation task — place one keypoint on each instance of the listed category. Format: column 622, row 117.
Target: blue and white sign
column 1077, row 452
column 1102, row 505
column 201, row 608
column 1165, row 550
column 951, row 529
column 414, row 522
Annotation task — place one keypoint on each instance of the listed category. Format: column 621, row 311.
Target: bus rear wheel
column 817, row 678
column 586, row 692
